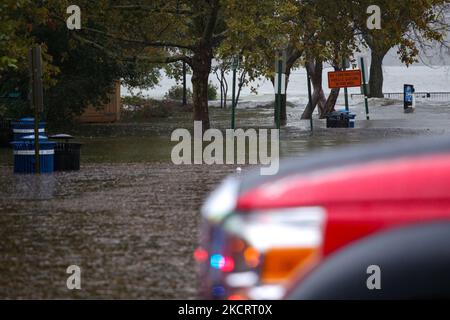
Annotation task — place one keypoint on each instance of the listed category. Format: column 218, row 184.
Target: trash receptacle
column 5, row 132
column 341, row 119
column 351, row 119
column 409, row 98
column 24, row 155
column 25, row 127
column 67, row 154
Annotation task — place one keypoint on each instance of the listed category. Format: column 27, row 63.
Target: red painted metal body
column 364, row 199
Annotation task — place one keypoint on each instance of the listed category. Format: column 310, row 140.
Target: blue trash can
column 24, row 160
column 25, row 127
column 341, row 119
column 351, row 119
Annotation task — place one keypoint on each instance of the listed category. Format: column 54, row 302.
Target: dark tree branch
column 212, row 21
column 153, row 10
column 164, row 60
column 156, row 60
column 218, row 38
column 144, row 42
column 159, row 44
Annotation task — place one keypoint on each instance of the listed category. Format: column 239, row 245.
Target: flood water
column 130, row 217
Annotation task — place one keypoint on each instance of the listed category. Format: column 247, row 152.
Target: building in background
column 109, row 112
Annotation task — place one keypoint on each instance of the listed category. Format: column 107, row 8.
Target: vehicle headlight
column 278, row 242
column 254, row 252
column 221, row 201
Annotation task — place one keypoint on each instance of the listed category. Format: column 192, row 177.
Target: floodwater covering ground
column 130, row 217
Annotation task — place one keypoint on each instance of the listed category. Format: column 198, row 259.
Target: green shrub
column 212, row 91
column 134, row 101
column 176, row 93
column 146, row 109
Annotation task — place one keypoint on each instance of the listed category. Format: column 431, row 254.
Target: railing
column 445, row 96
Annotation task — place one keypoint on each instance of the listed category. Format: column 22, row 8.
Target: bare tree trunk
column 309, row 109
column 331, row 102
column 201, row 67
column 293, row 54
column 225, row 89
column 240, row 85
column 376, row 74
column 332, row 98
column 318, row 97
column 220, row 79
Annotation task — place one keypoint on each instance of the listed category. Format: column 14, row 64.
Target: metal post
column 309, row 98
column 35, row 60
column 184, row 84
column 278, row 110
column 345, row 91
column 363, row 70
column 234, row 66
column 233, row 101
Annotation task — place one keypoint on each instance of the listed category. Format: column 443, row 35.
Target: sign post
column 279, row 85
column 345, row 66
column 364, row 86
column 279, row 97
column 37, row 97
column 350, row 78
column 234, row 66
column 310, row 98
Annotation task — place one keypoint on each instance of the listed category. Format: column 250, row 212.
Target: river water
column 130, row 217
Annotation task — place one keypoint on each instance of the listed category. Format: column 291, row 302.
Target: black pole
column 310, row 99
column 363, row 70
column 184, row 84
column 278, row 111
column 344, row 67
column 233, row 101
column 37, row 96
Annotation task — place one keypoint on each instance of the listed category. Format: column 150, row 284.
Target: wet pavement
column 132, row 229
column 130, row 218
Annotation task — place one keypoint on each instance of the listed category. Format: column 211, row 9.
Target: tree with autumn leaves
column 405, row 25
column 69, row 65
column 144, row 36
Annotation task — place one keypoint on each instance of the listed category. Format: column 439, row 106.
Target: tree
column 17, row 20
column 257, row 32
column 75, row 86
column 328, row 38
column 69, row 65
column 404, row 23
column 311, row 32
column 221, row 69
column 11, row 46
column 158, row 32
